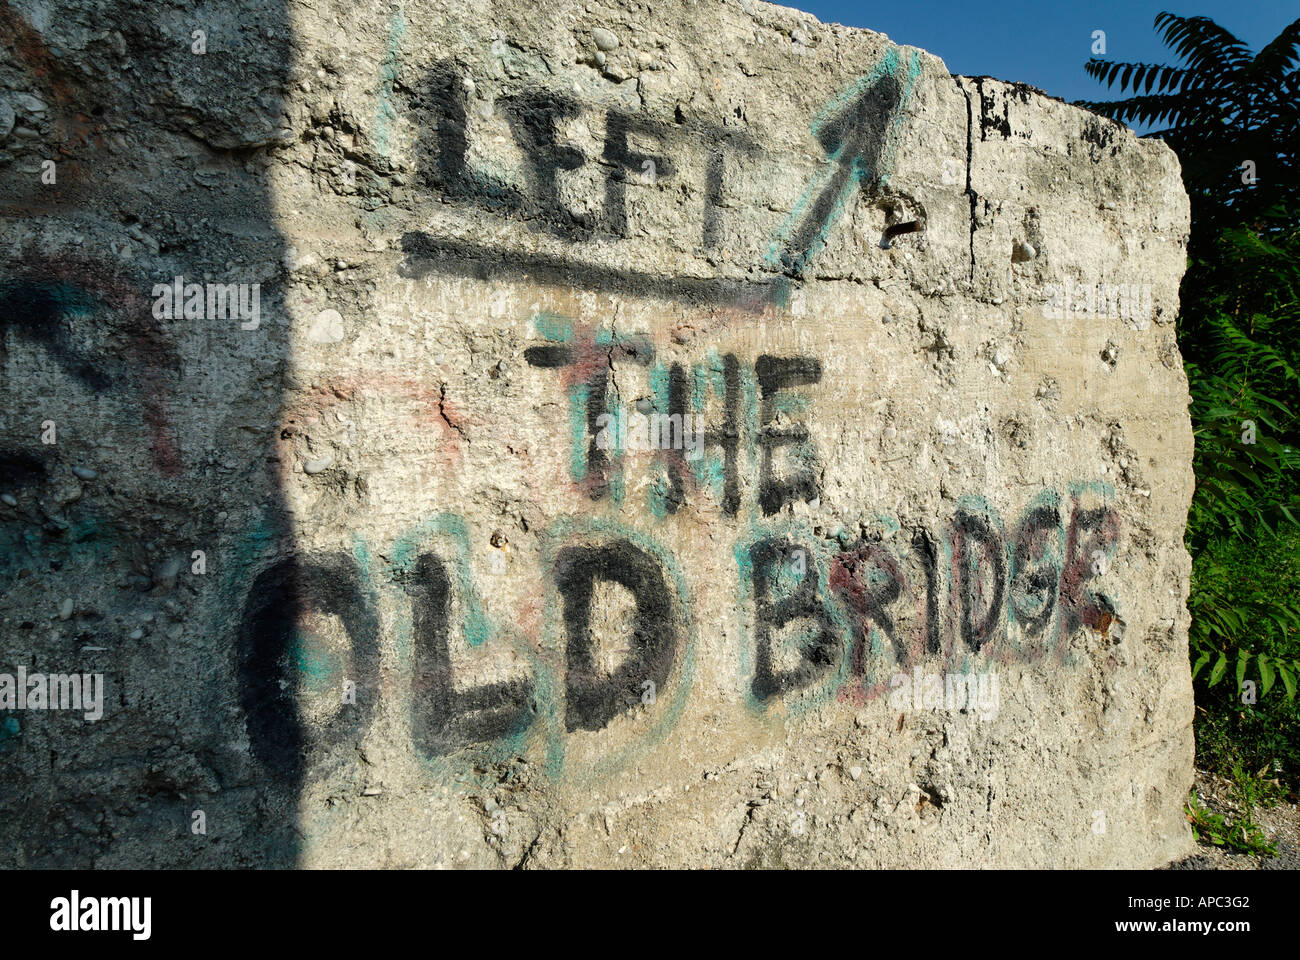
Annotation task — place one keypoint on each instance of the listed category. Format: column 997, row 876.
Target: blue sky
column 1046, row 43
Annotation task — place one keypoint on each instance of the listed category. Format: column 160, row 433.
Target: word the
column 55, row 691
column 583, row 363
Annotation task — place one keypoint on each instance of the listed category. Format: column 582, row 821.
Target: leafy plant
column 1270, row 668
column 1233, row 117
column 1243, row 628
column 1240, row 834
column 1220, row 108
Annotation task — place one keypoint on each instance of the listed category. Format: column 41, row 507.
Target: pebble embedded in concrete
column 318, row 465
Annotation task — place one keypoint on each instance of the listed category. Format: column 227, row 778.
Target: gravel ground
column 1281, row 824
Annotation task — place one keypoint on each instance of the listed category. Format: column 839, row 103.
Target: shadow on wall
column 144, row 343
column 145, row 352
column 134, row 145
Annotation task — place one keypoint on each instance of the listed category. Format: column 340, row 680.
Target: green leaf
column 1201, row 661
column 1219, row 667
column 1265, row 674
column 1288, row 680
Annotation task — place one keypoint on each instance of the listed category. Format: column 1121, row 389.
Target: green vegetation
column 1241, row 834
column 1233, row 117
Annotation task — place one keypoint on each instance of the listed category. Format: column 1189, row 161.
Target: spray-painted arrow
column 858, row 130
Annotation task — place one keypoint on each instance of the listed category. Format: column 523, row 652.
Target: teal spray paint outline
column 389, row 71
column 888, row 65
column 813, row 697
column 565, row 530
column 1047, row 497
column 476, row 626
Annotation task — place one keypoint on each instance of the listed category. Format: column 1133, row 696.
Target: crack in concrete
column 527, row 854
column 442, row 412
column 970, row 154
column 749, row 818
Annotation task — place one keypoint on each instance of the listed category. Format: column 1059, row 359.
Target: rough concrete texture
column 449, row 608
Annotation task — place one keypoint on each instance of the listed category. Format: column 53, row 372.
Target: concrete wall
column 907, row 589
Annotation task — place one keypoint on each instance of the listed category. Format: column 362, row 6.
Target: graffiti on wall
column 826, row 621
column 819, row 617
column 751, row 397
column 858, row 132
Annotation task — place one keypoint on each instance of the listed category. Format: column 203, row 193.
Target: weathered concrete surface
column 475, row 229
